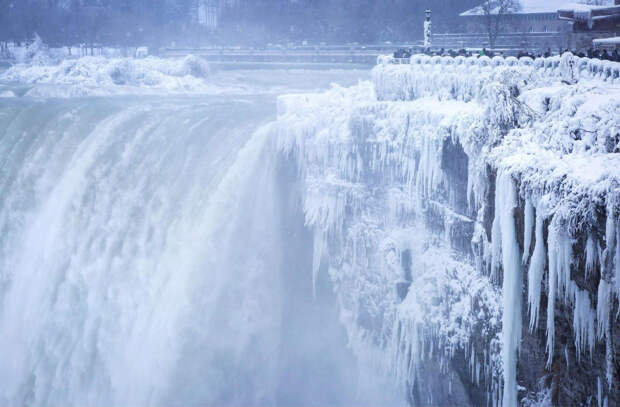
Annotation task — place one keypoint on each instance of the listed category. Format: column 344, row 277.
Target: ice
column 527, row 229
column 506, row 202
column 101, row 75
column 369, row 169
column 536, row 270
column 591, row 255
column 583, row 323
column 603, row 305
column 374, row 163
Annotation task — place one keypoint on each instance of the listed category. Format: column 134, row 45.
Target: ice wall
column 447, row 192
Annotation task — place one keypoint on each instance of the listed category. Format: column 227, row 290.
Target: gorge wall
column 467, row 211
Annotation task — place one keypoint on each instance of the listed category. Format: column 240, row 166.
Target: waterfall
column 152, row 254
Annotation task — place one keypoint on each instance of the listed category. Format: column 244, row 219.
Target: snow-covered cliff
column 453, row 200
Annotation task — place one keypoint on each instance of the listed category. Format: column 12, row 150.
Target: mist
column 158, row 23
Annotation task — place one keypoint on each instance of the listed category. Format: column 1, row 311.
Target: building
column 207, row 13
column 540, row 16
column 602, row 18
column 542, row 24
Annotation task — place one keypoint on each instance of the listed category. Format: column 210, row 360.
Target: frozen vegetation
column 467, row 211
column 100, row 75
column 51, row 72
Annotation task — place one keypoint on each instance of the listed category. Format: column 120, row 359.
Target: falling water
column 152, row 252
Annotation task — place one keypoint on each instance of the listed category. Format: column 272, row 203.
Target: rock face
column 468, row 213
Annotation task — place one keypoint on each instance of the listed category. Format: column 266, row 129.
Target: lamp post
column 428, row 40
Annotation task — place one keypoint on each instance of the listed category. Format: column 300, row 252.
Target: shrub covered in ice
column 7, row 94
column 463, row 78
column 37, row 53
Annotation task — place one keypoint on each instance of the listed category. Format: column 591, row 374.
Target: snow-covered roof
column 539, row 7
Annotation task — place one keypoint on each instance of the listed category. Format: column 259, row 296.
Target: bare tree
column 493, row 11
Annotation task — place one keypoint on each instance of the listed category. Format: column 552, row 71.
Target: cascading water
column 152, row 252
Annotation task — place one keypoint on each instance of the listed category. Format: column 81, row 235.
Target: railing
column 607, row 71
column 343, row 53
column 525, row 40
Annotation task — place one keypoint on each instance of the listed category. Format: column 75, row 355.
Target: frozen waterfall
column 393, row 242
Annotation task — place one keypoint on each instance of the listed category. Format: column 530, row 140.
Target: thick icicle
column 602, row 308
column 617, row 264
column 535, row 273
column 591, row 255
column 317, row 256
column 583, row 322
column 607, row 266
column 512, row 285
column 551, row 295
column 527, row 230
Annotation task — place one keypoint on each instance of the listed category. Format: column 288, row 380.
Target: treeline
column 340, row 20
column 247, row 22
column 106, row 22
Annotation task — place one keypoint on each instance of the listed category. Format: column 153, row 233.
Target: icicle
column 617, row 265
column 603, row 308
column 496, row 238
column 607, row 261
column 583, row 322
column 599, row 392
column 591, row 255
column 535, row 274
column 506, row 199
column 317, row 256
column 529, row 224
column 551, row 295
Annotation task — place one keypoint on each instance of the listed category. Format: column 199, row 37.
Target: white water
column 151, row 254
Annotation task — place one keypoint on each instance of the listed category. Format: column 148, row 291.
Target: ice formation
column 90, row 75
column 448, row 191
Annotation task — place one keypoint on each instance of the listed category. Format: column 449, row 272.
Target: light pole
column 428, row 40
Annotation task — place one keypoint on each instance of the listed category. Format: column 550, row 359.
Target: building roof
column 540, row 7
